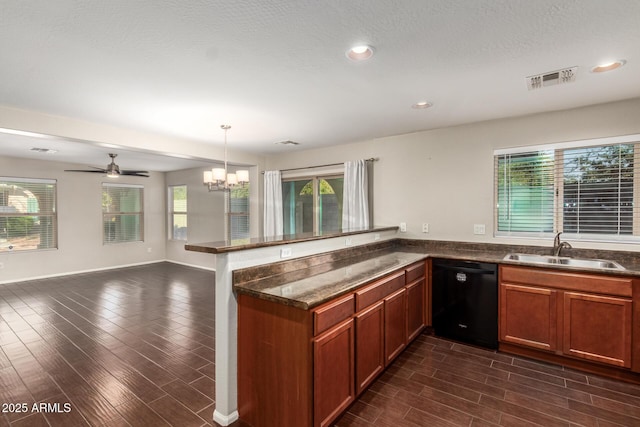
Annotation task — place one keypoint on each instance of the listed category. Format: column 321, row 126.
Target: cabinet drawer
column 415, row 272
column 332, row 313
column 378, row 290
column 619, row 286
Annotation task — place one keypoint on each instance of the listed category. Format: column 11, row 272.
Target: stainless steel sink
column 570, row 262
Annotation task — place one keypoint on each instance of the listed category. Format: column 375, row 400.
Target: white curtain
column 273, row 211
column 355, row 204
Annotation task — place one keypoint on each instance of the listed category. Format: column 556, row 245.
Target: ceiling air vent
column 566, row 75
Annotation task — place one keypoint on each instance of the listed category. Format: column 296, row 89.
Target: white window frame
column 230, row 214
column 172, row 212
column 558, row 220
column 53, row 214
column 140, row 213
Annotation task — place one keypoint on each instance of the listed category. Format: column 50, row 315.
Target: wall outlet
column 403, row 227
column 148, row 250
column 285, row 252
column 348, row 241
column 425, row 227
column 376, row 236
column 478, row 229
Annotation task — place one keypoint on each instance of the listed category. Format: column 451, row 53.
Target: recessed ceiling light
column 608, row 66
column 421, row 105
column 360, row 53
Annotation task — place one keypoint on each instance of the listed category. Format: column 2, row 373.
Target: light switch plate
column 403, row 227
column 478, row 229
column 285, row 252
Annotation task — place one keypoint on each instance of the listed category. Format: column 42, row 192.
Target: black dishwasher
column 465, row 301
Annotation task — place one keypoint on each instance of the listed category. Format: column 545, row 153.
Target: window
column 238, row 216
column 312, row 204
column 586, row 191
column 27, row 214
column 178, row 212
column 122, row 213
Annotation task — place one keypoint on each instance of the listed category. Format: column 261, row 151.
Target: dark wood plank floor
column 135, row 347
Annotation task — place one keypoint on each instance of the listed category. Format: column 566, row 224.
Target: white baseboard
column 93, row 270
column 191, row 265
column 225, row 420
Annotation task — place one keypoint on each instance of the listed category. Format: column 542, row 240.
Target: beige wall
column 205, row 218
column 79, row 207
column 444, row 177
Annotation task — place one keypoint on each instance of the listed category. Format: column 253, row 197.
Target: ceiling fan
column 112, row 170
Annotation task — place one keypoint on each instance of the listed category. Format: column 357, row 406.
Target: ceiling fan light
column 112, row 174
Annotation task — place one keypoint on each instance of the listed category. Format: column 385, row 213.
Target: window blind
column 598, row 189
column 178, row 212
column 238, row 214
column 588, row 192
column 525, row 192
column 28, row 218
column 122, row 212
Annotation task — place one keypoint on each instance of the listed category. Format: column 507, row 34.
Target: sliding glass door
column 312, row 204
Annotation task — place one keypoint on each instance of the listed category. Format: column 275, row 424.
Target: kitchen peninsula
column 325, row 280
column 230, row 257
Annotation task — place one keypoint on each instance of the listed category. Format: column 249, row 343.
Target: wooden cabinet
column 369, row 345
column 583, row 316
column 528, row 316
column 597, row 328
column 302, row 368
column 333, row 373
column 395, row 325
column 416, row 308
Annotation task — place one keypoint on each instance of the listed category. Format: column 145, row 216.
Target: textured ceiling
column 276, row 70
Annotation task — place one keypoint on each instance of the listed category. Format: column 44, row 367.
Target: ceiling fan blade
column 130, row 172
column 112, row 169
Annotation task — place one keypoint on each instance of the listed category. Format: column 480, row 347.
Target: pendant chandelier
column 218, row 179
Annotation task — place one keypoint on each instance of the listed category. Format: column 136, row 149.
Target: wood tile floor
column 135, row 347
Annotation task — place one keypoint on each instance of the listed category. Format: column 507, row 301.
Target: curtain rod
column 371, row 159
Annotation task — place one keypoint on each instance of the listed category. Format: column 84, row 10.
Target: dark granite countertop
column 313, row 283
column 496, row 253
column 227, row 246
column 306, row 290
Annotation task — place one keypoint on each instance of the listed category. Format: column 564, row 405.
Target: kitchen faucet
column 558, row 245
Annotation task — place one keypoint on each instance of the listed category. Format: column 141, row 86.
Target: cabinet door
column 395, row 324
column 370, row 355
column 333, row 372
column 415, row 309
column 597, row 328
column 528, row 316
